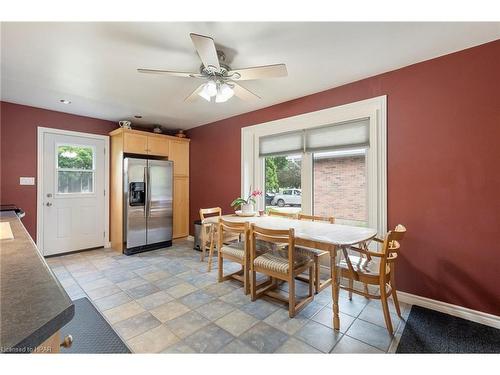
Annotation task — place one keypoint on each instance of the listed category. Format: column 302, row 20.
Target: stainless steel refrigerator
column 148, row 204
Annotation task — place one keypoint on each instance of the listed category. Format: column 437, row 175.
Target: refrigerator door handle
column 146, row 191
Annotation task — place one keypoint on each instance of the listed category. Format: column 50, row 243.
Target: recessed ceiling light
column 138, row 116
column 64, row 101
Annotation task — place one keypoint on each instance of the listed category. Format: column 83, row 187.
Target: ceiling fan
column 220, row 80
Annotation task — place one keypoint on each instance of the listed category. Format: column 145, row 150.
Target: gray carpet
column 91, row 332
column 429, row 331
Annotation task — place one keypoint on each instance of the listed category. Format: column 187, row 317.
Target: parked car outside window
column 288, row 197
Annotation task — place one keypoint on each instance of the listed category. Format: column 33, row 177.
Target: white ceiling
column 94, row 64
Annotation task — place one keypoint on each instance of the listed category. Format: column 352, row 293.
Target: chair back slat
column 214, row 211
column 329, row 219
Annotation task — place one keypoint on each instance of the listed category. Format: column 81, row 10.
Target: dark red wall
column 18, row 130
column 443, row 169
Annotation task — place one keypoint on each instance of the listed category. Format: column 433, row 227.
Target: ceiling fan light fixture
column 224, row 93
column 203, row 93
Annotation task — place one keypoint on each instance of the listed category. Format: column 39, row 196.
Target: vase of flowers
column 246, row 205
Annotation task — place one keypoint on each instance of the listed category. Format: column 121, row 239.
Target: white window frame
column 252, row 166
column 57, row 170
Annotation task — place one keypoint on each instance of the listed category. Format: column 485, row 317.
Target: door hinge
column 104, row 192
column 103, row 234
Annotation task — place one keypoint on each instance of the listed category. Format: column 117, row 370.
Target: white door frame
column 39, row 183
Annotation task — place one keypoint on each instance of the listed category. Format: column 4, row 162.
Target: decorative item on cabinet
column 157, row 129
column 181, row 134
column 125, row 124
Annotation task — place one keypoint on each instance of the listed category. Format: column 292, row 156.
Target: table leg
column 335, row 288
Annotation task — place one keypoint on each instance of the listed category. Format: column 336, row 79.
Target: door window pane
column 75, row 157
column 340, row 186
column 283, row 183
column 75, row 182
column 75, row 169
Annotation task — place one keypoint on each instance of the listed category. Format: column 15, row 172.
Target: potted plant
column 247, row 204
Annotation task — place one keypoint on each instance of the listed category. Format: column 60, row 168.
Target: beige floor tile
column 136, row 325
column 111, row 301
column 293, row 345
column 153, row 341
column 96, row 284
column 103, row 292
column 349, row 345
column 236, row 322
column 280, row 320
column 157, row 275
column 169, row 310
column 132, row 283
column 181, row 290
column 187, row 324
column 123, row 312
column 376, row 316
column 155, row 300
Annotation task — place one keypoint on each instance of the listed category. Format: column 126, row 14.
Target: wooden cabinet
column 159, row 146
column 135, row 143
column 144, row 143
column 179, row 154
column 181, row 207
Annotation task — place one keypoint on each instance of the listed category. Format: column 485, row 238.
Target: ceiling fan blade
column 194, row 95
column 258, row 72
column 243, row 93
column 205, row 47
column 171, row 73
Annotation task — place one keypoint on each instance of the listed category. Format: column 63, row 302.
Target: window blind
column 282, row 144
column 352, row 134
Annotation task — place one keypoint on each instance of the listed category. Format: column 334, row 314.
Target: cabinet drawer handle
column 67, row 342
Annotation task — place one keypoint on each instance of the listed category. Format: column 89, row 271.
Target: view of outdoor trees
column 75, row 169
column 74, row 157
column 282, row 172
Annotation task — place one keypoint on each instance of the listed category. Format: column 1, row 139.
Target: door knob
column 48, row 204
column 67, row 342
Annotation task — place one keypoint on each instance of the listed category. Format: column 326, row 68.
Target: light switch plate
column 26, row 180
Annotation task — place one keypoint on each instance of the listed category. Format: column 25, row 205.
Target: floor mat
column 91, row 332
column 429, row 331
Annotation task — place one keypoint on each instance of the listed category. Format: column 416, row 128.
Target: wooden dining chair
column 375, row 268
column 316, row 255
column 284, row 263
column 235, row 251
column 287, row 215
column 208, row 233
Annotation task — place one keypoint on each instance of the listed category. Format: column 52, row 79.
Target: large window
column 330, row 163
column 75, row 169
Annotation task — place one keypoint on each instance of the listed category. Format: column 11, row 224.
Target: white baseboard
column 447, row 308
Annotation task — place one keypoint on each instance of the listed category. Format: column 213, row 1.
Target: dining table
column 333, row 238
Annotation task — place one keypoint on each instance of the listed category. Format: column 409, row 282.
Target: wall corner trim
column 447, row 308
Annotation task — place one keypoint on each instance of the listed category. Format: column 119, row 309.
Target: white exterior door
column 73, row 193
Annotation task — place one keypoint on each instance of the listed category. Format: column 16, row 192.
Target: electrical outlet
column 26, row 180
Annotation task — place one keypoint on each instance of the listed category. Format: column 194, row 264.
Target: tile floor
column 165, row 301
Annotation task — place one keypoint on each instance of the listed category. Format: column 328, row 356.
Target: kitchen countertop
column 33, row 304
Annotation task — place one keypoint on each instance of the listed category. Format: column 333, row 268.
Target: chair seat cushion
column 276, row 263
column 363, row 265
column 235, row 249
